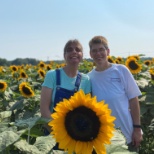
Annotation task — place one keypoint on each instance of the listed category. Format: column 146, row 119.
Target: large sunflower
column 26, row 90
column 80, row 124
column 132, row 64
column 3, row 86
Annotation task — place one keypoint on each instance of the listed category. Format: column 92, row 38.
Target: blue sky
column 40, row 28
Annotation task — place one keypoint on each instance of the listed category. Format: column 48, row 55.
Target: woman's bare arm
column 46, row 95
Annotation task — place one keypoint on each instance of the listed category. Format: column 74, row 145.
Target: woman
column 64, row 82
column 115, row 84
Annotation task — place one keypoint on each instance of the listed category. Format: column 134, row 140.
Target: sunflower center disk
column 152, row 76
column 1, row 86
column 23, row 75
column 82, row 124
column 26, row 90
column 133, row 65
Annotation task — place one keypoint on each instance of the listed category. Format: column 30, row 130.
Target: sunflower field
column 21, row 125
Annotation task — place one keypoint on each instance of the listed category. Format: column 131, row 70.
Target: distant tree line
column 32, row 61
column 20, row 61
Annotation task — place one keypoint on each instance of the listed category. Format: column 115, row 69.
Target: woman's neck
column 71, row 71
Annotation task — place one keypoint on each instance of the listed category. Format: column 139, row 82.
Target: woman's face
column 73, row 54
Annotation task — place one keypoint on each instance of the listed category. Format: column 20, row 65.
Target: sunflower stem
column 28, row 134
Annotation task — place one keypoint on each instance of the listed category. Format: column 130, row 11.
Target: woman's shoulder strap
column 58, row 77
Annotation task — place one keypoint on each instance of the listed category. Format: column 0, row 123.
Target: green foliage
column 21, row 125
column 147, row 114
column 147, row 145
column 117, row 145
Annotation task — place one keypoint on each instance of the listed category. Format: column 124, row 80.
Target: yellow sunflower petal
column 78, row 147
column 89, row 147
column 71, row 146
column 63, row 142
column 99, row 147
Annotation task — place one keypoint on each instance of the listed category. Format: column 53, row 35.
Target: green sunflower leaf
column 24, row 147
column 5, row 115
column 3, row 127
column 18, row 105
column 45, row 143
column 29, row 123
column 7, row 138
column 118, row 144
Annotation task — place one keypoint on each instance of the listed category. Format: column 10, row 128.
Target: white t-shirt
column 116, row 86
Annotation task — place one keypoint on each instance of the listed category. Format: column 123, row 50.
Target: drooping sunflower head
column 28, row 66
column 110, row 59
column 21, row 66
column 117, row 61
column 152, row 60
column 26, row 90
column 148, row 62
column 42, row 64
column 58, row 66
column 151, row 71
column 15, row 75
column 52, row 63
column 133, row 65
column 48, row 67
column 120, row 59
column 1, row 69
column 63, row 65
column 14, row 68
column 3, row 86
column 81, row 124
column 41, row 73
column 23, row 74
column 152, row 76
